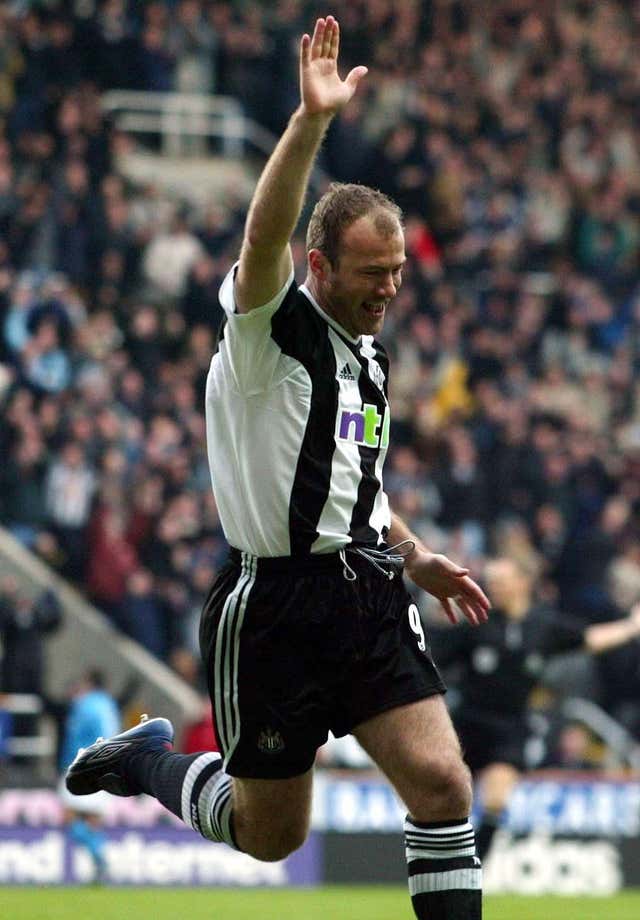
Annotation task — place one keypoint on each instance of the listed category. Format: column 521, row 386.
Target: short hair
column 522, row 569
column 342, row 205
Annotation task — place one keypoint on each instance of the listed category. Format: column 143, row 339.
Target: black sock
column 192, row 786
column 485, row 834
column 161, row 774
column 445, row 876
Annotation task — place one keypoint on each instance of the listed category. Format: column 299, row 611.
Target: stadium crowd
column 508, row 132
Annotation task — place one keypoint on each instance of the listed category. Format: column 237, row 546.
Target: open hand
column 322, row 90
column 451, row 584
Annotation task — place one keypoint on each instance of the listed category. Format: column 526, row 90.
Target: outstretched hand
column 321, row 89
column 450, row 584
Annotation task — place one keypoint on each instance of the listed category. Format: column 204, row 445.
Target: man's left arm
column 440, row 577
column 603, row 637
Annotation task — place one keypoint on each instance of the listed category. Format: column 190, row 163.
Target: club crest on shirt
column 270, row 741
column 485, row 659
column 375, row 372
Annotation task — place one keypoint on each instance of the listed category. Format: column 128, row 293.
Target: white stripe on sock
column 449, row 831
column 204, row 801
column 425, row 853
column 220, row 808
column 458, row 879
column 188, row 782
column 457, row 840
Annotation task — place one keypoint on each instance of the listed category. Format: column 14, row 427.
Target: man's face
column 357, row 290
column 505, row 583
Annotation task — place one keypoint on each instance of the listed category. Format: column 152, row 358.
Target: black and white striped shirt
column 297, row 428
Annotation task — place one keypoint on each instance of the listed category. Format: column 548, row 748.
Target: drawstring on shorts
column 347, row 571
column 378, row 558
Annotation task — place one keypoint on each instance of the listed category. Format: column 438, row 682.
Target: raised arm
column 603, row 637
column 265, row 257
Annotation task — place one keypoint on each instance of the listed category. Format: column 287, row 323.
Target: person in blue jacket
column 93, row 713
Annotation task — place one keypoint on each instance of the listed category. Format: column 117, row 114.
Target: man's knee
column 271, row 817
column 497, row 783
column 275, row 843
column 443, row 788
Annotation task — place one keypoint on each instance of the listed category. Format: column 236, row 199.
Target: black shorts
column 293, row 649
column 488, row 738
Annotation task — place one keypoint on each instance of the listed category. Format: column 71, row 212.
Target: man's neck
column 517, row 609
column 312, row 288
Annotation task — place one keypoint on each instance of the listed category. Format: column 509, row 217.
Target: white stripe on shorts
column 226, row 659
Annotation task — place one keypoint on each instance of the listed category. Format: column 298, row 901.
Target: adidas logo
column 346, row 373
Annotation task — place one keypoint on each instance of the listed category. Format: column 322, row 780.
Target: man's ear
column 318, row 264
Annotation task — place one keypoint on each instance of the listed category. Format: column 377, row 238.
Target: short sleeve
column 257, row 316
column 247, row 342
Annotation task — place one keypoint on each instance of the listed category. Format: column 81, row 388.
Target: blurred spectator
column 574, row 748
column 44, row 364
column 25, row 624
column 22, row 488
column 170, row 257
column 69, row 492
column 583, row 569
column 6, row 732
column 112, row 559
column 140, row 613
column 155, row 60
column 93, row 713
column 193, row 45
column 461, row 483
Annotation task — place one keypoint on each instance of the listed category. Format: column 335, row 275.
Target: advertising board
column 571, row 834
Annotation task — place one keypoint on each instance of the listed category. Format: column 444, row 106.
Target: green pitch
column 371, row 903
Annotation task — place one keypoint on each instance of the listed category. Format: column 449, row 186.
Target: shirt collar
column 329, row 319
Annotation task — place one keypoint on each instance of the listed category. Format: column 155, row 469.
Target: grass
column 329, row 903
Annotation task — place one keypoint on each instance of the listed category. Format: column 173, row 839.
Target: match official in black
column 501, row 664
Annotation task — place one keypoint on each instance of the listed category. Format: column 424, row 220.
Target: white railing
column 184, row 121
column 620, row 742
column 39, row 745
column 179, row 118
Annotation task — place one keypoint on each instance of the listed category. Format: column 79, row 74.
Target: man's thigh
column 261, row 650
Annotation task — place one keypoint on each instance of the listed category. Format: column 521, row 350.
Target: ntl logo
column 363, row 427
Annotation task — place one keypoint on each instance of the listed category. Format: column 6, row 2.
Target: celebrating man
column 309, row 627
